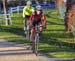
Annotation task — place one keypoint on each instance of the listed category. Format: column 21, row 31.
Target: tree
column 70, row 17
column 5, row 12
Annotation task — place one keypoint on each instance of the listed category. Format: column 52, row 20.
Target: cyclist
column 36, row 19
column 27, row 11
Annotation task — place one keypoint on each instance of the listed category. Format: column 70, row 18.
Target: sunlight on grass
column 63, row 54
column 6, row 35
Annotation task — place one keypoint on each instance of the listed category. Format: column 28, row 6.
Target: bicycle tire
column 27, row 30
column 36, row 44
column 28, row 34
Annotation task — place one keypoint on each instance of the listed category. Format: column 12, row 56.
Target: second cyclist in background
column 27, row 11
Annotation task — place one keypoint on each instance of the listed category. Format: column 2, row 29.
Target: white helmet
column 38, row 7
column 29, row 3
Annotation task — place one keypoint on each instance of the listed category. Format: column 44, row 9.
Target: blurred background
column 13, row 3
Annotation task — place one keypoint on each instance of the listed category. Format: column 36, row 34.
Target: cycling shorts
column 27, row 17
column 35, row 22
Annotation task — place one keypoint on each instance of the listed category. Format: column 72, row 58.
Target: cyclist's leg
column 41, row 28
column 25, row 22
column 32, row 36
column 33, row 29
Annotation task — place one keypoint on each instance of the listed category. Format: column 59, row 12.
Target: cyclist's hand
column 30, row 24
column 45, row 27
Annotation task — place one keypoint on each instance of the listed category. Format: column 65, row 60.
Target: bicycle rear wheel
column 28, row 33
column 27, row 30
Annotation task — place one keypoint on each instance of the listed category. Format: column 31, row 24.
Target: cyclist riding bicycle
column 37, row 18
column 27, row 11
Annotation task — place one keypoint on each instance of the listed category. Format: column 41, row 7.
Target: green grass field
column 55, row 42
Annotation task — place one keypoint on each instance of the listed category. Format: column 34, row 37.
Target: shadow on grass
column 56, row 45
column 53, row 23
column 55, row 30
column 53, row 14
column 14, row 30
column 18, row 40
column 17, row 18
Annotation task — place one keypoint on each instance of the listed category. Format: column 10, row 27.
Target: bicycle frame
column 36, row 40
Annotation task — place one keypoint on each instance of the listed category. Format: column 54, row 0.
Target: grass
column 55, row 41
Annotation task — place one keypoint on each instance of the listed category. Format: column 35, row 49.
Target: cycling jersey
column 27, row 11
column 37, row 17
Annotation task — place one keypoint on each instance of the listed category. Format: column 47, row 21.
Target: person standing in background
column 61, row 6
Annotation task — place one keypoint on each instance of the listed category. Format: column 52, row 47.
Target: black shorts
column 27, row 17
column 36, row 22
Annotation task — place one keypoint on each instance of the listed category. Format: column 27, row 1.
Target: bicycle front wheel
column 36, row 44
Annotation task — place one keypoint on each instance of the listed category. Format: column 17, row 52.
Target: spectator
column 61, row 5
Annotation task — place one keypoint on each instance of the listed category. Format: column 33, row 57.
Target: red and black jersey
column 37, row 17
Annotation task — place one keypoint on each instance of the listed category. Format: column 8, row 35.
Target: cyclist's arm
column 31, row 19
column 33, row 10
column 24, row 15
column 44, row 17
column 24, row 12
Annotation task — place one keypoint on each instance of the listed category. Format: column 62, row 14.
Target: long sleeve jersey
column 27, row 11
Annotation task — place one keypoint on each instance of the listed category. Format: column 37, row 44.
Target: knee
column 32, row 30
column 40, row 29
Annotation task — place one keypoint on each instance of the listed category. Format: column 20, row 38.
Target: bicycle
column 35, row 39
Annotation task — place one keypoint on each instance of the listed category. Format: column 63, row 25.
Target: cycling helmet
column 38, row 7
column 29, row 2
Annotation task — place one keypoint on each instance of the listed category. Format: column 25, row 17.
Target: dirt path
column 12, row 52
